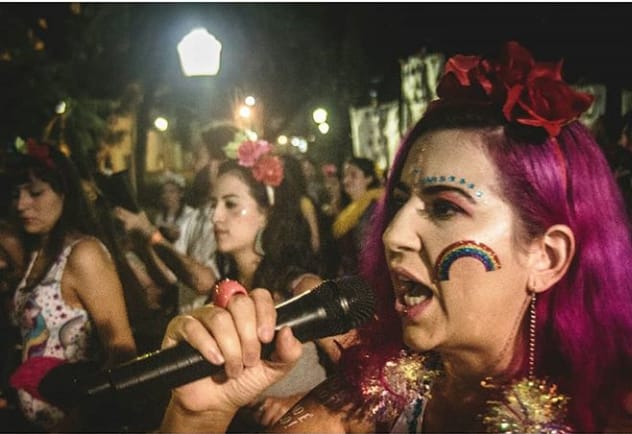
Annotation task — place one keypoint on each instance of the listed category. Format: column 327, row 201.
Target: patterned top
column 50, row 328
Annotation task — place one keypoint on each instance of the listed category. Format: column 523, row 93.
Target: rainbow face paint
column 463, row 249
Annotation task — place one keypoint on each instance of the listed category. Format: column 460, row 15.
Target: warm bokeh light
column 323, row 127
column 161, row 124
column 300, row 143
column 60, row 108
column 199, row 53
column 319, row 115
column 250, row 101
column 282, row 140
column 244, row 112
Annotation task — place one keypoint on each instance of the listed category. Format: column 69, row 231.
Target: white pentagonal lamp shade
column 199, row 53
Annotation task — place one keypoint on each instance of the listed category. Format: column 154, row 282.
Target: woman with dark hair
column 364, row 188
column 264, row 241
column 500, row 257
column 65, row 314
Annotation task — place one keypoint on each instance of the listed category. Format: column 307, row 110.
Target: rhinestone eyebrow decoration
column 428, row 180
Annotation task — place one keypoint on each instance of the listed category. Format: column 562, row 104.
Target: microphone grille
column 332, row 308
column 356, row 298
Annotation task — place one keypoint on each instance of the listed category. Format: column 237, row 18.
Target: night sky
column 294, row 56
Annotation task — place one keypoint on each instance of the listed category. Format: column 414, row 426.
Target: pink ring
column 225, row 289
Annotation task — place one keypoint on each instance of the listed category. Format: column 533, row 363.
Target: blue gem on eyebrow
column 451, row 178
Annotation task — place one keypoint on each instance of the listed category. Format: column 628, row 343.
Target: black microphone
column 334, row 307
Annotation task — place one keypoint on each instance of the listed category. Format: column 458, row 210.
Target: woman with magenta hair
column 500, row 257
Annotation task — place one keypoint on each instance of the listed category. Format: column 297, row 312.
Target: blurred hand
column 134, row 222
column 233, row 336
column 170, row 232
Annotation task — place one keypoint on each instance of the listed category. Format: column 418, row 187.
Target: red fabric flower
column 529, row 92
column 250, row 151
column 268, row 170
column 40, row 151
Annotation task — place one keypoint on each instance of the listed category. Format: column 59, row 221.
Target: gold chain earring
column 532, row 325
column 529, row 405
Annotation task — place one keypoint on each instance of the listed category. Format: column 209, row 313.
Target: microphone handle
column 156, row 371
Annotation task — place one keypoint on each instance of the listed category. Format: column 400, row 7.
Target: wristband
column 225, row 289
column 155, row 238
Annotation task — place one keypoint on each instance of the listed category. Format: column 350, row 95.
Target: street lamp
column 199, row 53
column 161, row 124
column 319, row 115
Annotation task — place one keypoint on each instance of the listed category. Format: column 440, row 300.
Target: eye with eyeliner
column 442, row 209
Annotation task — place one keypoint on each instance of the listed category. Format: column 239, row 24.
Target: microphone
column 333, row 307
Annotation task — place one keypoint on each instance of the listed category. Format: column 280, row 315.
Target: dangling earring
column 532, row 324
column 529, row 405
column 259, row 243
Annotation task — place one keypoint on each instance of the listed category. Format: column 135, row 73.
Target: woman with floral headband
column 263, row 240
column 69, row 305
column 501, row 254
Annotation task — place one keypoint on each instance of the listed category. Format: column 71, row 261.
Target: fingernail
column 266, row 333
column 216, row 357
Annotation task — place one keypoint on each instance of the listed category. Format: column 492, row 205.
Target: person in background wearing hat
column 174, row 213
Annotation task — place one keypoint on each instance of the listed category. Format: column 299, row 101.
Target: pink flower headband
column 529, row 92
column 265, row 167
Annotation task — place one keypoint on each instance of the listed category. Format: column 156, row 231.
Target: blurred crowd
column 91, row 274
column 90, row 279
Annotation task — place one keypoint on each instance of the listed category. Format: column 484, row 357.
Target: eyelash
column 442, row 209
column 437, row 209
column 16, row 194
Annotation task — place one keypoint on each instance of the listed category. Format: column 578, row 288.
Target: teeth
column 414, row 293
column 413, row 300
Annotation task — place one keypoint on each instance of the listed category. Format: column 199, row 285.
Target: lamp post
column 199, row 53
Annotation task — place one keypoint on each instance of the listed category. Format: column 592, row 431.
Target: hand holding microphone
column 213, row 357
column 232, row 336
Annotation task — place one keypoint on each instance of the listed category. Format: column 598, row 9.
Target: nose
column 402, row 234
column 216, row 214
column 22, row 201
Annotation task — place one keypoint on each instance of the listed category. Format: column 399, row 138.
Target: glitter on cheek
column 461, row 249
column 243, row 212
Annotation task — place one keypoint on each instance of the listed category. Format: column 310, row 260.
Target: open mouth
column 411, row 292
column 414, row 293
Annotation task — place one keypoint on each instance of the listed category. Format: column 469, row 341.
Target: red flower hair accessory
column 38, row 150
column 265, row 167
column 528, row 92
